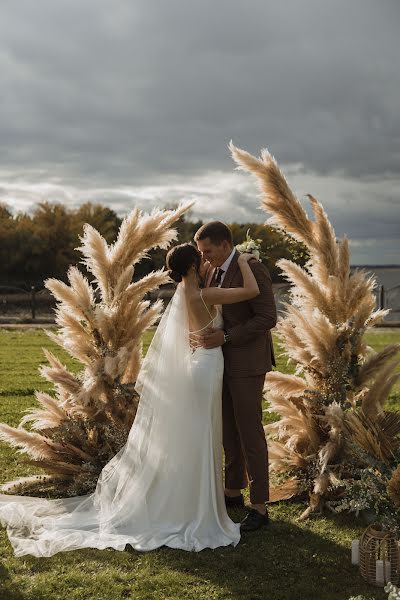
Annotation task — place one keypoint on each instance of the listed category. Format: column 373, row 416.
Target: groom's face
column 215, row 254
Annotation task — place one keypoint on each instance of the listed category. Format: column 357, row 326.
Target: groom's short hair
column 216, row 231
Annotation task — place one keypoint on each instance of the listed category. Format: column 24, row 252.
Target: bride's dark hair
column 180, row 259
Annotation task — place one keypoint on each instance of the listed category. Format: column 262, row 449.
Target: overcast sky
column 134, row 102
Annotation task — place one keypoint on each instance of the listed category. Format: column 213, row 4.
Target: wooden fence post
column 33, row 302
column 382, row 297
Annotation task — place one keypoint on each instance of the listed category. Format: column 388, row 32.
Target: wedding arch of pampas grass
column 333, row 432
column 74, row 433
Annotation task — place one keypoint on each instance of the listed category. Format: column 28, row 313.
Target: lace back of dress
column 194, row 336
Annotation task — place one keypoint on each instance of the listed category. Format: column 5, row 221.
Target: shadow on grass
column 9, row 590
column 284, row 561
column 17, row 392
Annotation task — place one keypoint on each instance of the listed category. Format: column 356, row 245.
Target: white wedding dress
column 165, row 486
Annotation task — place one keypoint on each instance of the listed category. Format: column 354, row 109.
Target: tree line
column 43, row 243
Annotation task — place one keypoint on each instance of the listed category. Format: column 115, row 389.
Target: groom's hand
column 212, row 338
column 204, row 266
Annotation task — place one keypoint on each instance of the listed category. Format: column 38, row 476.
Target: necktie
column 218, row 277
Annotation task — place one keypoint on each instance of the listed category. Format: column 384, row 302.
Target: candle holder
column 379, row 556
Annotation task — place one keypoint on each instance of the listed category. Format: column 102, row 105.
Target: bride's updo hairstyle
column 180, row 259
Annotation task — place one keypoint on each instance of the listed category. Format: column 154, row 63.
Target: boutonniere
column 251, row 247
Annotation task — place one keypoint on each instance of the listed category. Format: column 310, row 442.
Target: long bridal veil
column 120, row 502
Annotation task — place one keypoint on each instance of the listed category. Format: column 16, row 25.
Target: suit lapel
column 233, row 267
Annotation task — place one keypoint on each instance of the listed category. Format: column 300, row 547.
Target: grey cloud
column 140, row 93
column 150, row 88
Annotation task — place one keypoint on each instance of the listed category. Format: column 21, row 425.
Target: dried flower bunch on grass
column 335, row 401
column 74, row 434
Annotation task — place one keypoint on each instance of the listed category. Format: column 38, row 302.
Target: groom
column 248, row 354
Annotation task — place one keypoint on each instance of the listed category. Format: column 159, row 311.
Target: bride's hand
column 246, row 256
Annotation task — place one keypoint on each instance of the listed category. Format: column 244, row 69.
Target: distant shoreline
column 375, row 266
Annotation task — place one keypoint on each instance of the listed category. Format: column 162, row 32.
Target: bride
column 164, row 487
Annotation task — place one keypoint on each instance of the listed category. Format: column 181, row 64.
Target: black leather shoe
column 234, row 501
column 254, row 520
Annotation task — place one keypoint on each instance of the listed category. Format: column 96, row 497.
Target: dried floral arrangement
column 334, row 436
column 74, row 434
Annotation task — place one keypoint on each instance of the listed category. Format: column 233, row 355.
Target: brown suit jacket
column 249, row 351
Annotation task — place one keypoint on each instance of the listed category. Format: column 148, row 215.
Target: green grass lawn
column 289, row 560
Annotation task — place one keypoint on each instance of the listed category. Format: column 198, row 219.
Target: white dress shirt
column 225, row 265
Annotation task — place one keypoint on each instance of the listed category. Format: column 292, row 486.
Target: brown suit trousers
column 248, row 357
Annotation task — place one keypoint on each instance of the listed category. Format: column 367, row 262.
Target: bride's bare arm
column 250, row 289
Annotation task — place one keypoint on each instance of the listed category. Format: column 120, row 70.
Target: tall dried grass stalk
column 76, row 432
column 336, row 398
